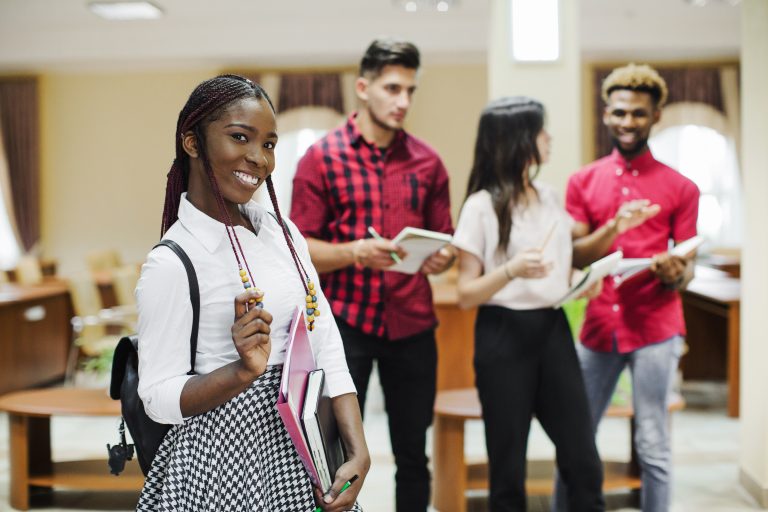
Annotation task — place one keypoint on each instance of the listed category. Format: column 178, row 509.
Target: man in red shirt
column 629, row 201
column 370, row 173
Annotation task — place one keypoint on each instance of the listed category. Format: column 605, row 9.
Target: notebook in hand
column 299, row 362
column 630, row 267
column 321, row 430
column 419, row 244
column 597, row 271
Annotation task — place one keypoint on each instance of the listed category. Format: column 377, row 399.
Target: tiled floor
column 706, row 444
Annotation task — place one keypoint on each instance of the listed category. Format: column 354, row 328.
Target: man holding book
column 370, row 173
column 631, row 202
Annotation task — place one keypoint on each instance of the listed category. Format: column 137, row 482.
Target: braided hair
column 206, row 104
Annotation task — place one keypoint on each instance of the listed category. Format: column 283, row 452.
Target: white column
column 753, row 462
column 556, row 84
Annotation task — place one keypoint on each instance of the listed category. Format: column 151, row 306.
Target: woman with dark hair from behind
column 227, row 448
column 515, row 262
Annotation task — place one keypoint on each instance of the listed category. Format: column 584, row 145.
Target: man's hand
column 439, row 261
column 633, row 213
column 668, row 268
column 375, row 254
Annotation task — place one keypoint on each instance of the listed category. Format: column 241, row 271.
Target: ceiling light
column 425, row 5
column 704, row 3
column 126, row 11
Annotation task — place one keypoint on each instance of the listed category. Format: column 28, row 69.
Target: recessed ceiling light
column 126, row 11
column 425, row 5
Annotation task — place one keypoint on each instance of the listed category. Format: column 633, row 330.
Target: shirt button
column 619, row 171
column 619, row 248
column 616, row 308
column 635, row 172
column 625, row 191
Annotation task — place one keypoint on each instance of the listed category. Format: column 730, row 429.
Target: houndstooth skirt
column 237, row 457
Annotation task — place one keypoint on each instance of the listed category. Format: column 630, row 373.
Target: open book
column 419, row 244
column 629, row 267
column 597, row 271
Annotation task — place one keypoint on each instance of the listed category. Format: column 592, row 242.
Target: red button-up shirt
column 642, row 310
column 344, row 184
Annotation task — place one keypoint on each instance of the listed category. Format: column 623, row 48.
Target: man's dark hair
column 388, row 52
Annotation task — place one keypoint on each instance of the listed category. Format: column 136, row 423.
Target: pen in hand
column 377, row 236
column 343, row 488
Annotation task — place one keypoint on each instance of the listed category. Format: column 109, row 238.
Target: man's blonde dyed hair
column 634, row 77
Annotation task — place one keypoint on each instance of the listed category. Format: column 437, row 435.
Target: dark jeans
column 408, row 374
column 526, row 365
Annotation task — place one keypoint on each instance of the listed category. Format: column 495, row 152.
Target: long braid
column 286, row 235
column 205, row 104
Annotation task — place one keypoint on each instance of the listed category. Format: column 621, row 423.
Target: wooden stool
column 454, row 476
column 29, row 415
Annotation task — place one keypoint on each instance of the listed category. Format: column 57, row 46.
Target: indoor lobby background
column 109, row 92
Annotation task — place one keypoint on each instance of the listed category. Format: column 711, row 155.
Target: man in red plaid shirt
column 370, row 173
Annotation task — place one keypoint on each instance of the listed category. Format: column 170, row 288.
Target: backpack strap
column 284, row 224
column 194, row 296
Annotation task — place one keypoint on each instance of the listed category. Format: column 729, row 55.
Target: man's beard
column 634, row 150
column 378, row 122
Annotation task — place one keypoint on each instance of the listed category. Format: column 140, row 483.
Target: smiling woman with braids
column 228, row 449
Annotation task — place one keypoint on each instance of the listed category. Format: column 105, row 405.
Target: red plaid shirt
column 642, row 310
column 344, row 184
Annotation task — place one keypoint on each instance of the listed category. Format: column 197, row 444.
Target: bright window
column 709, row 159
column 9, row 247
column 290, row 148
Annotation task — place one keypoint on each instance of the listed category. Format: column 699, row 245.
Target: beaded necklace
column 244, row 270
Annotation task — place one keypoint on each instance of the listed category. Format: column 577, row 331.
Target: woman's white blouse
column 477, row 233
column 165, row 311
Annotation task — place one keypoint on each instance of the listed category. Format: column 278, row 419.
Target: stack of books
column 307, row 411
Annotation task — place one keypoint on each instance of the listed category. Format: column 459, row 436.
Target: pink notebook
column 299, row 361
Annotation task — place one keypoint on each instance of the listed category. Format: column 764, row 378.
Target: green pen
column 343, row 488
column 377, row 236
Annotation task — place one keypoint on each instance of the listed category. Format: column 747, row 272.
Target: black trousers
column 408, row 374
column 526, row 365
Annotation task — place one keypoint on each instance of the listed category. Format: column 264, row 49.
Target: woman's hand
column 335, row 500
column 593, row 291
column 527, row 264
column 250, row 333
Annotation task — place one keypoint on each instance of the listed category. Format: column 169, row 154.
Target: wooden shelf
column 92, row 475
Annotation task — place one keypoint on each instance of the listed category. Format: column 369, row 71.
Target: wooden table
column 29, row 415
column 454, row 476
column 35, row 334
column 455, row 337
column 712, row 304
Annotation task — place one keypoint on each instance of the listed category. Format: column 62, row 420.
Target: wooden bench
column 29, row 415
column 454, row 476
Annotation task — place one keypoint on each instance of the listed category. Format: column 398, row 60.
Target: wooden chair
column 124, row 281
column 103, row 259
column 96, row 331
column 28, row 270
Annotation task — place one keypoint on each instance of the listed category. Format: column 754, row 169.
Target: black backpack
column 146, row 433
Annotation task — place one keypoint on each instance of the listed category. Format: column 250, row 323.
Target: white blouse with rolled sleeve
column 165, row 312
column 477, row 233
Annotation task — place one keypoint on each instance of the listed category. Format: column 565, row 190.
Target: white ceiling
column 38, row 35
